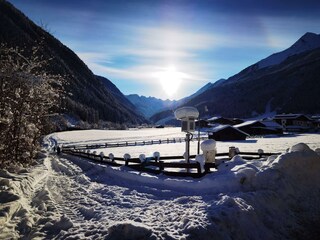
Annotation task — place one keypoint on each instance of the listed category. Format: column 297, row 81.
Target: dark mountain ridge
column 89, row 98
column 292, row 86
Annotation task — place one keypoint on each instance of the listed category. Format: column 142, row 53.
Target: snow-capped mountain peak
column 307, row 42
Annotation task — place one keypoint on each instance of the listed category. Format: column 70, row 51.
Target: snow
column 271, row 124
column 246, row 123
column 307, row 42
column 220, row 127
column 65, row 197
column 186, row 112
column 208, row 145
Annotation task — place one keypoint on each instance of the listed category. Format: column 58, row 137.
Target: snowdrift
column 68, row 197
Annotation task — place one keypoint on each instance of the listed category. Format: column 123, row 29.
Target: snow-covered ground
column 65, row 197
column 268, row 144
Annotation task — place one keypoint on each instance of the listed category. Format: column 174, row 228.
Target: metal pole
column 198, row 151
column 188, row 147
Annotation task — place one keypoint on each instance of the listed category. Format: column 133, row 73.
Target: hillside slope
column 89, row 98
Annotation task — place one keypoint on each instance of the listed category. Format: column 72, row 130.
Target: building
column 256, row 127
column 316, row 122
column 295, row 122
column 226, row 133
column 272, row 127
column 224, row 121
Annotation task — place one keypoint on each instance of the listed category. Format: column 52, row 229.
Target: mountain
column 284, row 82
column 201, row 90
column 90, row 98
column 116, row 92
column 150, row 106
column 307, row 42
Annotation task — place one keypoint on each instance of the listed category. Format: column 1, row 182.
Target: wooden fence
column 129, row 143
column 164, row 165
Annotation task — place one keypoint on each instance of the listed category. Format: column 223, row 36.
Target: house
column 226, row 133
column 272, row 127
column 224, row 121
column 294, row 122
column 316, row 121
column 256, row 127
column 236, row 121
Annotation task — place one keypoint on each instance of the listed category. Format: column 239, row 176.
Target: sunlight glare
column 170, row 80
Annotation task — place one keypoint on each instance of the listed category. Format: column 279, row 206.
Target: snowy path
column 93, row 207
column 62, row 202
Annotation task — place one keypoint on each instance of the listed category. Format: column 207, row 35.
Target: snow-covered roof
column 213, row 118
column 316, row 117
column 271, row 124
column 290, row 116
column 245, row 123
column 220, row 127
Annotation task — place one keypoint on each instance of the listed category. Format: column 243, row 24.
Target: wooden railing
column 129, row 143
column 164, row 165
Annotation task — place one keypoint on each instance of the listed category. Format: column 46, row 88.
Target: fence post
column 101, row 156
column 161, row 167
column 111, row 157
column 199, row 169
column 126, row 157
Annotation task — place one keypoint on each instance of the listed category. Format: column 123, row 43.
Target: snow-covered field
column 66, row 197
column 268, row 144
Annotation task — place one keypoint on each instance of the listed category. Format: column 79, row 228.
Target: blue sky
column 170, row 49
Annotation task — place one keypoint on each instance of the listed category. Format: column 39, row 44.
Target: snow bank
column 68, row 197
column 256, row 199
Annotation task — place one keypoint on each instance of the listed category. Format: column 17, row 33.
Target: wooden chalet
column 257, row 127
column 224, row 121
column 226, row 133
column 294, row 122
column 316, row 121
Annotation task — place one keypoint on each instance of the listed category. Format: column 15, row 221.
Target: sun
column 170, row 80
